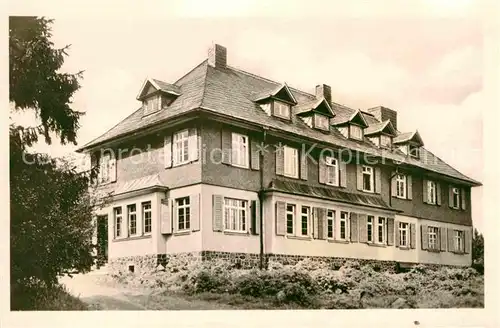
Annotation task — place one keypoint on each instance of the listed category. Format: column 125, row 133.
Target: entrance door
column 102, row 240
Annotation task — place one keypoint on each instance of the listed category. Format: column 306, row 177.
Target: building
column 192, row 172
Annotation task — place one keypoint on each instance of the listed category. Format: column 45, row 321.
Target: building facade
column 226, row 164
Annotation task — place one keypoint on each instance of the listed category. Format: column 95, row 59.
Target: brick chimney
column 382, row 113
column 325, row 91
column 217, row 56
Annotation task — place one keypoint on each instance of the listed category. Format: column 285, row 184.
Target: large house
column 226, row 164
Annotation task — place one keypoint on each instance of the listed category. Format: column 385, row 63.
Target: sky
column 426, row 62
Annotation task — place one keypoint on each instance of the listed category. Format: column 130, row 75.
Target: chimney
column 325, row 91
column 382, row 113
column 217, row 56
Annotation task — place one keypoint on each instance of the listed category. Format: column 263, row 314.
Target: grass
column 39, row 298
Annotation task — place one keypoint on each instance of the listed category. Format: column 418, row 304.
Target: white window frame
column 344, row 218
column 330, row 222
column 456, row 193
column 370, row 222
column 387, row 138
column 180, row 147
column 381, row 227
column 183, row 204
column 321, row 122
column 404, row 230
column 369, row 171
column 118, row 220
column 132, row 214
column 332, row 166
column 236, row 215
column 401, row 186
column 355, row 132
column 240, row 150
column 305, row 217
column 416, row 153
column 432, row 237
column 291, row 162
column 291, row 212
column 147, row 216
column 281, row 109
column 458, row 240
column 148, row 105
column 105, row 168
column 431, row 192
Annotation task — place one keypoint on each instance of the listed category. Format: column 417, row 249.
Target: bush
column 39, row 297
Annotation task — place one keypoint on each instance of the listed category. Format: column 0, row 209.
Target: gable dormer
column 409, row 143
column 351, row 125
column 316, row 114
column 277, row 102
column 156, row 94
column 381, row 134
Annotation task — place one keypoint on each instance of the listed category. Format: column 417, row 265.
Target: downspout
column 261, row 202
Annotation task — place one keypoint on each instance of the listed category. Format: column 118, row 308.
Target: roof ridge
column 191, row 70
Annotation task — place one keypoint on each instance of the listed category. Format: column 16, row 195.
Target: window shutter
column 394, row 185
column 175, row 218
column 342, row 173
column 281, row 218
column 413, row 236
column 112, row 168
column 193, row 145
column 227, row 142
column 363, row 231
column 424, row 191
column 254, row 155
column 303, row 165
column 443, row 239
column 255, row 210
column 467, row 241
column 409, row 187
column 315, row 223
column 322, row 170
column 463, row 199
column 450, row 196
column 438, row 193
column 390, row 231
column 217, row 212
column 398, row 233
column 167, row 151
column 354, row 227
column 359, row 177
column 378, row 180
column 280, row 160
column 425, row 236
column 166, row 219
column 321, row 222
column 451, row 245
column 194, row 201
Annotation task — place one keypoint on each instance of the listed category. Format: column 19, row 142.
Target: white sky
column 426, row 62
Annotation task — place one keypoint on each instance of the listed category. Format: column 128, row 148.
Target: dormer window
column 156, row 94
column 152, row 104
column 281, row 109
column 321, row 122
column 414, row 151
column 355, row 132
column 385, row 141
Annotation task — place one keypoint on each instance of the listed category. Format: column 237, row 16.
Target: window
column 381, row 230
column 105, row 168
column 455, row 198
column 367, row 178
column 235, row 215
column 385, row 141
column 183, row 213
column 343, row 225
column 401, row 186
column 281, row 109
column 433, row 235
column 376, row 141
column 356, row 132
column 332, row 169
column 118, row 221
column 414, row 151
column 291, row 162
column 181, row 147
column 240, row 150
column 132, row 220
column 403, row 234
column 321, row 122
column 146, row 217
column 459, row 240
column 431, row 192
column 369, row 228
column 290, row 218
column 152, row 105
column 304, row 221
column 330, row 223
